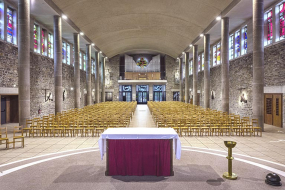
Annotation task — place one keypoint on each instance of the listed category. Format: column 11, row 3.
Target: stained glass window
column 244, row 44
column 199, row 61
column 84, row 62
column 63, row 52
column 67, row 53
column 231, row 46
column 92, row 66
column 80, row 60
column 202, row 61
column 269, row 26
column 36, row 37
column 281, row 20
column 218, row 53
column 237, row 42
column 43, row 42
column 215, row 55
column 50, row 45
column 191, row 67
column 9, row 25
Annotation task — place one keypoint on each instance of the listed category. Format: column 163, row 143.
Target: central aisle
column 142, row 118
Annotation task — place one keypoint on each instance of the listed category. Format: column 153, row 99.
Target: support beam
column 186, row 77
column 207, row 71
column 225, row 64
column 195, row 74
column 97, row 79
column 103, row 79
column 76, row 71
column 181, row 80
column 57, row 63
column 88, row 73
column 24, row 60
column 258, row 62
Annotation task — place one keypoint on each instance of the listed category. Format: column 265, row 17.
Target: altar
column 139, row 151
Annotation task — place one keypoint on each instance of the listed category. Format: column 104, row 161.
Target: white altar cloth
column 140, row 133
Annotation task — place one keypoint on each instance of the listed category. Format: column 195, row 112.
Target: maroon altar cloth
column 152, row 157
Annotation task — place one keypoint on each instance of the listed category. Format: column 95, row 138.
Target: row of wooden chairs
column 17, row 137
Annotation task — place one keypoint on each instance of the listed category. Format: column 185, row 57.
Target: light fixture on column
column 201, row 35
column 92, row 44
column 177, row 57
column 183, row 52
column 64, row 17
column 218, row 18
column 100, row 52
column 81, row 33
column 190, row 45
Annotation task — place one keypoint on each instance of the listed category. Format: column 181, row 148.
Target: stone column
column 225, row 63
column 88, row 73
column 103, row 79
column 207, row 71
column 186, row 77
column 76, row 71
column 97, row 80
column 195, row 74
column 57, row 39
column 258, row 62
column 24, row 60
column 181, row 79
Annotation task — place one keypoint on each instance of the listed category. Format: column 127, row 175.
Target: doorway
column 125, row 93
column 142, row 94
column 3, row 110
column 159, row 93
column 108, row 96
column 176, row 96
column 273, row 109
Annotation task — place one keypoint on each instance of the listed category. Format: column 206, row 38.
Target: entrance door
column 108, row 96
column 3, row 110
column 273, row 109
column 142, row 97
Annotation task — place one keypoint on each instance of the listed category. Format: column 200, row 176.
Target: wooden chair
column 17, row 137
column 4, row 136
column 255, row 127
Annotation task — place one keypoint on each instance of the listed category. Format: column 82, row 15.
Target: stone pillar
column 76, row 71
column 225, row 63
column 88, row 73
column 195, row 74
column 186, row 77
column 258, row 62
column 97, row 79
column 103, row 79
column 24, row 60
column 181, row 79
column 57, row 63
column 207, row 93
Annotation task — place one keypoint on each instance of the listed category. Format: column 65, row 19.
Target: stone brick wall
column 113, row 64
column 171, row 65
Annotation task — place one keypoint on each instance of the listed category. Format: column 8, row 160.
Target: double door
column 142, row 97
column 273, row 109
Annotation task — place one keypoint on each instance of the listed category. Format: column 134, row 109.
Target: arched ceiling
column 118, row 26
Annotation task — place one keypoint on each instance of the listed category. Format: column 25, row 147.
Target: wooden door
column 268, row 109
column 277, row 110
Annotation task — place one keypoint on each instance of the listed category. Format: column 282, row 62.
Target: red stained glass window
column 35, row 38
column 269, row 27
column 9, row 25
column 281, row 20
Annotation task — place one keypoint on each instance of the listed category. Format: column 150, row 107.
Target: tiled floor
column 271, row 146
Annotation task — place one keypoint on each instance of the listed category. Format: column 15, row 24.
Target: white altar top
column 140, row 133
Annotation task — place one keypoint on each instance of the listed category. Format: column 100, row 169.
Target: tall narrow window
column 63, row 52
column 43, row 42
column 281, row 21
column 218, row 53
column 92, row 66
column 199, row 62
column 215, row 55
column 244, row 42
column 269, row 23
column 237, row 43
column 36, row 38
column 191, row 67
column 231, row 46
column 9, row 25
column 80, row 60
column 50, row 45
column 67, row 53
column 84, row 62
column 202, row 61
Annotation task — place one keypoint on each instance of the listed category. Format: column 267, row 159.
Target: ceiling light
column 92, row 44
column 201, row 35
column 177, row 57
column 100, row 52
column 190, row 45
column 64, row 17
column 81, row 33
column 218, row 18
column 183, row 52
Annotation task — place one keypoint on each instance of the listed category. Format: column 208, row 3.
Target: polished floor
column 264, row 154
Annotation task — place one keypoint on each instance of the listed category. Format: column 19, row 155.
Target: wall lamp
column 48, row 97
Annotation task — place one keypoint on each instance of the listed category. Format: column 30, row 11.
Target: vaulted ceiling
column 119, row 26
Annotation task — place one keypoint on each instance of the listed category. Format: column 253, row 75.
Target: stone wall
column 42, row 79
column 171, row 65
column 113, row 64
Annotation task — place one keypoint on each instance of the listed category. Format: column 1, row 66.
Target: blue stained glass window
column 231, row 46
column 237, row 46
column 202, row 61
column 191, row 67
column 50, row 45
column 80, row 60
column 244, row 44
column 67, row 53
column 199, row 61
column 9, row 25
column 63, row 52
column 215, row 55
column 84, row 62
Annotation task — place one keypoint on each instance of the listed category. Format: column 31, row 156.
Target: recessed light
column 92, row 44
column 201, row 35
column 177, row 57
column 64, row 17
column 190, row 45
column 81, row 33
column 183, row 52
column 218, row 18
column 100, row 52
